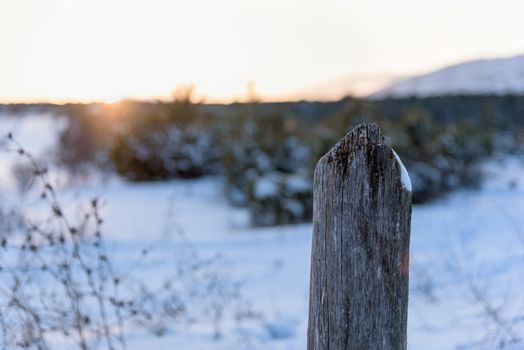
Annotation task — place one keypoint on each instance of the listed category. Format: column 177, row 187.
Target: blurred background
column 198, row 124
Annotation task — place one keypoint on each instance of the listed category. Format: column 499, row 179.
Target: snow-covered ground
column 467, row 256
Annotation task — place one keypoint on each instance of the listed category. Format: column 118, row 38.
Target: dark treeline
column 499, row 110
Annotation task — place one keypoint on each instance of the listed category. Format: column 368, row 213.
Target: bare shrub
column 58, row 281
column 24, row 175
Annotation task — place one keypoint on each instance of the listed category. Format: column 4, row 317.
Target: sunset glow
column 72, row 50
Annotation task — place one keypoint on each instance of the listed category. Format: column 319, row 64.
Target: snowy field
column 467, row 254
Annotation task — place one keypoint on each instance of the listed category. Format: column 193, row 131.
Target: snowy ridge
column 488, row 76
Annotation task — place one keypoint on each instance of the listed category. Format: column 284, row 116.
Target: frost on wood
column 360, row 249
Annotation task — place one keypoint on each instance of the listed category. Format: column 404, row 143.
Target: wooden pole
column 360, row 250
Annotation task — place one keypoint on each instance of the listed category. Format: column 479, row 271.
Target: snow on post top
column 363, row 135
column 404, row 175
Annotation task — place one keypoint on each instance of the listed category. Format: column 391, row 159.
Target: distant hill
column 481, row 77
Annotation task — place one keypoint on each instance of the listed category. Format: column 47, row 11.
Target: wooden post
column 360, row 250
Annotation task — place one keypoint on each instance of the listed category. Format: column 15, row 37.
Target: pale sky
column 61, row 50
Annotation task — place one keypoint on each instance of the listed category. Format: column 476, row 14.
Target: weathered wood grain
column 360, row 249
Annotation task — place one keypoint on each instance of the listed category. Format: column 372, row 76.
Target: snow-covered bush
column 170, row 141
column 141, row 141
column 439, row 156
column 268, row 168
column 280, row 198
column 264, row 156
column 254, row 145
